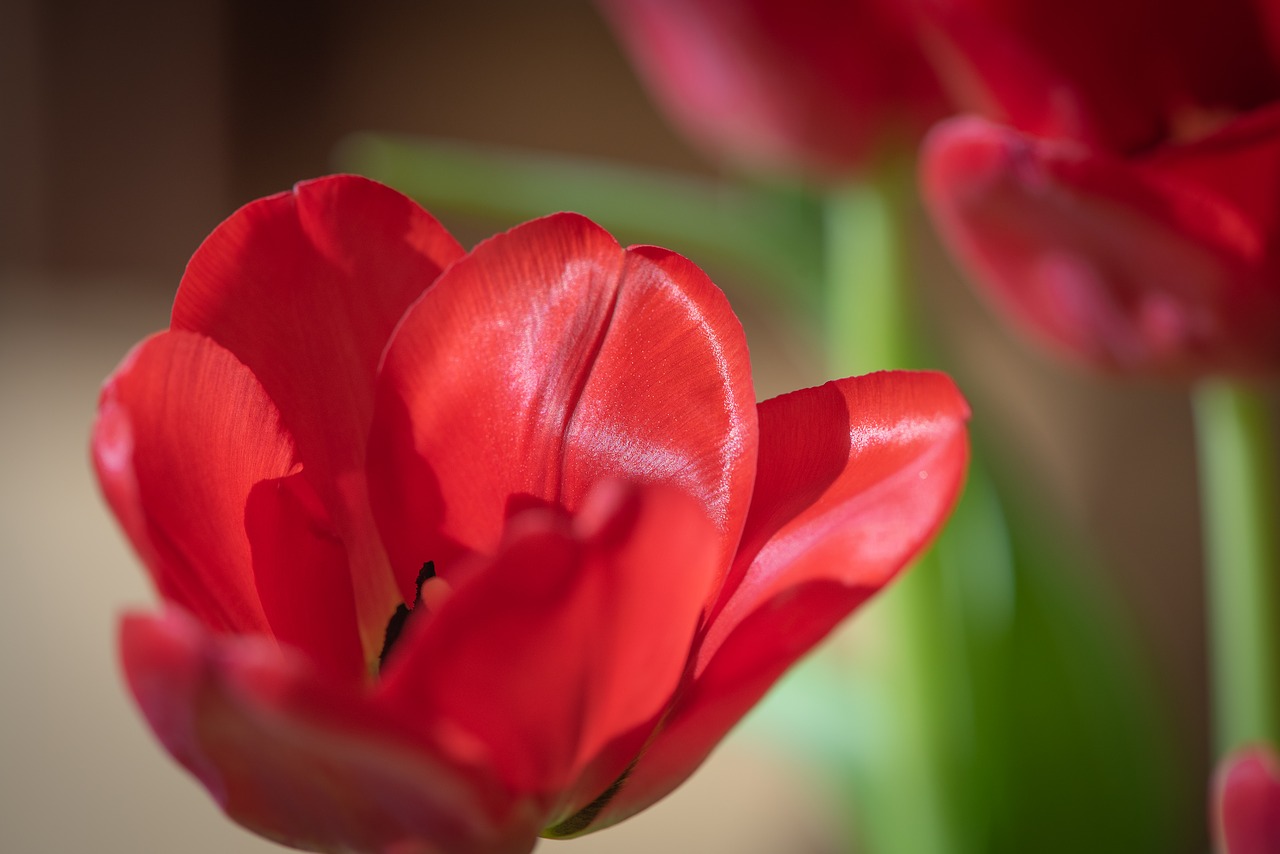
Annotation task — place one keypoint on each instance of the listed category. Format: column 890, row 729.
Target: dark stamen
column 396, row 624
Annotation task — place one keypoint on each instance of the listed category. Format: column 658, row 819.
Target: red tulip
column 1247, row 803
column 1128, row 211
column 1119, row 75
column 460, row 548
column 1165, row 263
column 809, row 86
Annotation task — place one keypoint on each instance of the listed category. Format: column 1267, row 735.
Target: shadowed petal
column 193, row 458
column 547, row 360
column 184, row 432
column 298, row 761
column 302, row 574
column 560, row 654
column 854, row 478
column 305, row 288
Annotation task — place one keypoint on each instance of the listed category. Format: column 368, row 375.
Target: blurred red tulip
column 1247, row 803
column 813, row 87
column 1166, row 263
column 1119, row 197
column 460, row 548
column 1120, row 75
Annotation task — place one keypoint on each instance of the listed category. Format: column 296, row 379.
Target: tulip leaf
column 771, row 232
column 1051, row 736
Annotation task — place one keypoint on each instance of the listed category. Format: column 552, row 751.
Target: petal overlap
column 305, row 288
column 840, row 506
column 596, row 362
column 184, row 433
column 591, row 647
column 300, row 761
column 604, row 550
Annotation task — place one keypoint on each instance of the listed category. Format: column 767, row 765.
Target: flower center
column 397, row 622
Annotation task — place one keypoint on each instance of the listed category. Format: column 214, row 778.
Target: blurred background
column 129, row 130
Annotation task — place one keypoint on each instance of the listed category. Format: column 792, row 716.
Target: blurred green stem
column 867, row 315
column 770, row 232
column 870, row 326
column 1242, row 547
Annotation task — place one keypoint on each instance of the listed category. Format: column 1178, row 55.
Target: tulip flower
column 1115, row 194
column 1163, row 263
column 460, row 548
column 1116, row 75
column 814, row 87
column 1247, row 803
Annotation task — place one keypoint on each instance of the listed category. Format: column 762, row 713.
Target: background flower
column 1115, row 199
column 1246, row 802
column 818, row 87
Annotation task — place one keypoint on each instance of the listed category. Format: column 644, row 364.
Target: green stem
column 870, row 327
column 869, row 324
column 1241, row 518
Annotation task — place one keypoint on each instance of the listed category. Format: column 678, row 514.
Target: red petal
column 1238, row 166
column 547, row 360
column 1247, row 796
column 303, row 577
column 560, row 654
column 184, row 432
column 814, row 86
column 195, row 463
column 1001, row 70
column 1116, row 74
column 855, row 477
column 1133, row 266
column 761, row 649
column 298, row 761
column 305, row 288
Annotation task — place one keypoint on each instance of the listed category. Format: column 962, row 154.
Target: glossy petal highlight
column 854, row 479
column 547, row 360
